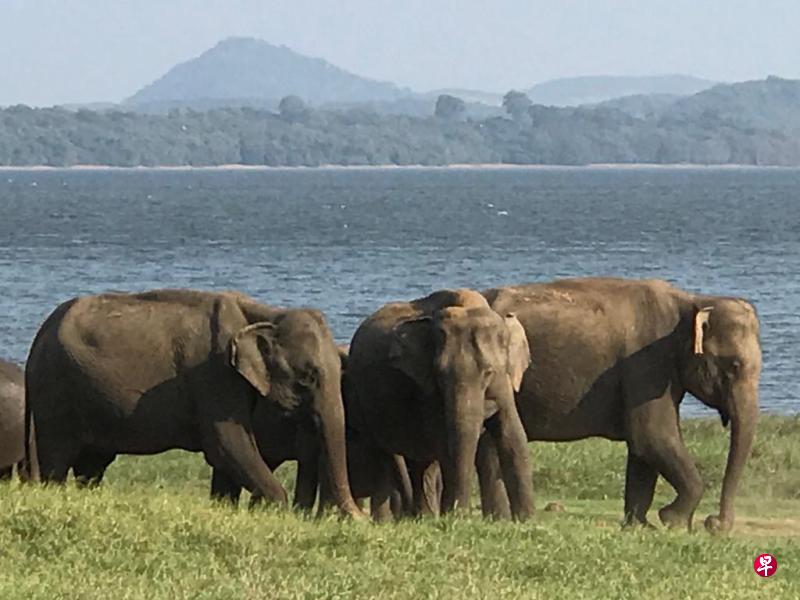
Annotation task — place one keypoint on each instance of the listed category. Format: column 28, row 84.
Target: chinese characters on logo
column 765, row 565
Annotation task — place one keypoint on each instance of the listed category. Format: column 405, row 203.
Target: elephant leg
column 448, row 498
column 308, row 461
column 658, row 442
column 381, row 511
column 672, row 460
column 433, row 485
column 306, row 484
column 509, row 436
column 90, row 467
column 385, row 499
column 6, row 472
column 425, row 488
column 640, row 486
column 232, row 449
column 494, row 498
column 56, row 449
column 654, row 435
column 380, row 505
column 396, row 504
column 224, row 488
column 325, row 493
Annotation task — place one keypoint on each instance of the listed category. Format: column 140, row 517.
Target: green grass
column 151, row 532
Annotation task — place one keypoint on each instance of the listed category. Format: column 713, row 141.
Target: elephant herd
column 427, row 393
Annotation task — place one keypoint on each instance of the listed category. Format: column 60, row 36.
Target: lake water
column 348, row 241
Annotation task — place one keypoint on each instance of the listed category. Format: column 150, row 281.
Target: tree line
column 298, row 134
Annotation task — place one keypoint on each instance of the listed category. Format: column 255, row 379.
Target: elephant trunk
column 463, row 419
column 330, row 411
column 402, row 483
column 743, row 418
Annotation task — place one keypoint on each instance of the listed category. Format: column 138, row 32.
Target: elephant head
column 467, row 359
column 722, row 370
column 292, row 360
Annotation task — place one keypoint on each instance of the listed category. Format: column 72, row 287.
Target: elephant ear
column 701, row 318
column 519, row 352
column 248, row 348
column 411, row 350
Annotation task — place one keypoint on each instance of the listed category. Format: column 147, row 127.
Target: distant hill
column 247, row 72
column 574, row 91
column 254, row 71
column 772, row 104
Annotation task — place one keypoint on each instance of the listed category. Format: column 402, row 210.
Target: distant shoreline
column 391, row 167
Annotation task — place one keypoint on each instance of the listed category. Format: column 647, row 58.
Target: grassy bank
column 150, row 532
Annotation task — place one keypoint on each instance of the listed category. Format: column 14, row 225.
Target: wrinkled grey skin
column 144, row 373
column 425, row 377
column 12, row 413
column 282, row 437
column 614, row 358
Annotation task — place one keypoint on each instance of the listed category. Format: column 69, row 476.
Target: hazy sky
column 54, row 51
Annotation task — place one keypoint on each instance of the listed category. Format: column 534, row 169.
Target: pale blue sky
column 54, row 51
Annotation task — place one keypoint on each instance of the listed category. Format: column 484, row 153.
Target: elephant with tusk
column 614, row 359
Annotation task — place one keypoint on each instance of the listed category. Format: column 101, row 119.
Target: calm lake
column 348, row 241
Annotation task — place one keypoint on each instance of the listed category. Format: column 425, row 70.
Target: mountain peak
column 239, row 68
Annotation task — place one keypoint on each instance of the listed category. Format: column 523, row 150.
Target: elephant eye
column 308, row 377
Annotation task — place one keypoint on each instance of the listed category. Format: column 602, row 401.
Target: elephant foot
column 522, row 516
column 716, row 525
column 673, row 518
column 633, row 522
column 354, row 513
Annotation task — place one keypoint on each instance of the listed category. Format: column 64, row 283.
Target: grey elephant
column 614, row 359
column 425, row 377
column 142, row 373
column 12, row 421
column 283, row 437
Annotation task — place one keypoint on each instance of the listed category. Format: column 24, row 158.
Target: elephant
column 424, row 377
column 283, row 437
column 141, row 373
column 614, row 359
column 12, row 418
